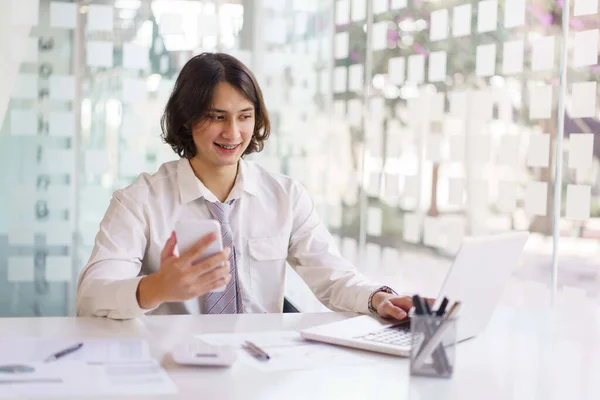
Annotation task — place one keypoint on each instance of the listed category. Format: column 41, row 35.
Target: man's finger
column 199, row 248
column 169, row 250
column 211, row 262
column 405, row 303
column 393, row 311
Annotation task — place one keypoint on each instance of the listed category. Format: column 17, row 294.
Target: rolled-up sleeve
column 108, row 284
column 315, row 257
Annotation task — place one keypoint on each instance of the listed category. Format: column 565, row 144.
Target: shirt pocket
column 267, row 269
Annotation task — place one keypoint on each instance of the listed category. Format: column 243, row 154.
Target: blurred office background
column 412, row 123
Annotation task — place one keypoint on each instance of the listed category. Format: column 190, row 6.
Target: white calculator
column 198, row 352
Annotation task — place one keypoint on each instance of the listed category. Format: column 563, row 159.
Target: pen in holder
column 433, row 345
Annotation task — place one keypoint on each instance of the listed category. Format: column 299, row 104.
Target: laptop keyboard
column 396, row 335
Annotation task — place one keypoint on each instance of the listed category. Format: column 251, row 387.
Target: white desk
column 523, row 355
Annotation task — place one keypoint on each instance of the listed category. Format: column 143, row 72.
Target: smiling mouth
column 227, row 147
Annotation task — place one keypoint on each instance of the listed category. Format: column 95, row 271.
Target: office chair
column 288, row 307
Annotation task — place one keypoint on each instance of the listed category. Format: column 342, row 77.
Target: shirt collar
column 192, row 188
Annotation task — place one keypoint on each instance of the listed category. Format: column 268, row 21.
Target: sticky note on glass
column 392, row 185
column 456, row 191
column 431, row 231
column 100, row 18
column 374, row 221
column 433, row 151
column 458, row 104
column 487, row 16
column 373, row 255
column 479, row 195
column 99, row 54
column 340, row 76
column 61, row 123
column 538, row 153
column 63, row 15
column 25, row 12
column 542, row 54
column 411, row 228
column 26, row 87
column 354, row 113
column 585, row 45
column 396, row 70
column 480, row 148
column 398, row 4
column 437, row 66
column 485, row 61
column 514, row 13
column 508, row 153
column 585, row 7
column 540, row 101
column 59, row 161
column 58, row 197
column 438, row 26
column 349, row 249
column 341, row 45
column 380, row 6
column 96, row 162
column 134, row 91
column 359, row 10
column 411, row 186
column 23, row 123
column 24, row 50
column 457, row 148
column 578, row 202
column 416, row 68
column 436, row 106
column 512, row 57
column 21, row 269
column 342, row 12
column 59, row 268
column 536, row 194
column 62, row 87
column 482, row 104
column 135, row 56
column 379, row 37
column 507, row 196
column 334, row 217
column 355, row 77
column 461, row 20
column 58, row 233
column 20, row 228
column 581, row 150
column 583, row 99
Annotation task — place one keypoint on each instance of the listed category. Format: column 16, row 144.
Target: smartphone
column 189, row 232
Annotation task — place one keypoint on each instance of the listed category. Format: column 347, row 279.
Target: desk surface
column 522, row 355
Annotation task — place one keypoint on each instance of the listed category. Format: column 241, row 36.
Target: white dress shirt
column 273, row 221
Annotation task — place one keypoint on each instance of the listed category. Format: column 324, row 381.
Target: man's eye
column 216, row 117
column 246, row 116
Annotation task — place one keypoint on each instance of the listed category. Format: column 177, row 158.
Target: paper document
column 93, row 350
column 78, row 379
column 100, row 368
column 288, row 351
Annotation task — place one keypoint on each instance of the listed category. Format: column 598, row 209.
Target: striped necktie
column 229, row 301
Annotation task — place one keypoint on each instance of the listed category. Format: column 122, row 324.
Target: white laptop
column 477, row 278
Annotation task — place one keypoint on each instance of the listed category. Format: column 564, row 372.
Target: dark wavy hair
column 192, row 97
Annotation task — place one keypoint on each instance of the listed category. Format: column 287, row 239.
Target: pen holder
column 433, row 346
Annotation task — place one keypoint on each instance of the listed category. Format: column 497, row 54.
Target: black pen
column 442, row 308
column 64, row 352
column 256, row 351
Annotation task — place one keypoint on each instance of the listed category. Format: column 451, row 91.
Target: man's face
column 222, row 137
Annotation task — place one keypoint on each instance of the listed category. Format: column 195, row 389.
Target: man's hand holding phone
column 182, row 277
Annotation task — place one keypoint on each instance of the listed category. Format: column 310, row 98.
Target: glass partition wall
column 411, row 123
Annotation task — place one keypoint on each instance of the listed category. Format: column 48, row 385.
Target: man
column 215, row 116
